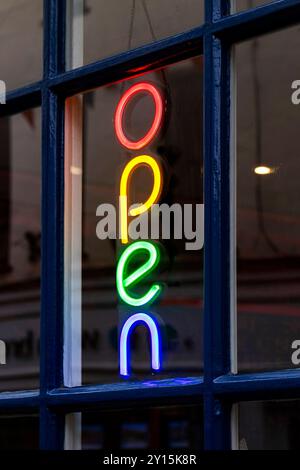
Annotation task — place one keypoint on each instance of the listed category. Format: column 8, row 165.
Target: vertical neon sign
column 126, row 282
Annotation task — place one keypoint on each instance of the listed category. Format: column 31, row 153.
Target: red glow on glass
column 120, row 111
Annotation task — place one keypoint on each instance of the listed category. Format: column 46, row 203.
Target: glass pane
column 21, row 42
column 20, row 186
column 19, row 432
column 99, row 29
column 269, row 425
column 268, row 209
column 239, row 5
column 96, row 180
column 150, row 428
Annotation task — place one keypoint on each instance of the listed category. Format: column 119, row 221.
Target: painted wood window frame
column 220, row 387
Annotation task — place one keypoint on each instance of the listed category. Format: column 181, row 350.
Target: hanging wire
column 163, row 73
column 130, row 36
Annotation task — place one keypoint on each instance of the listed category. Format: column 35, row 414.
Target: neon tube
column 123, row 282
column 142, row 160
column 131, row 323
column 143, row 87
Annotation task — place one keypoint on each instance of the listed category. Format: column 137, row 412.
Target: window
column 213, row 379
column 20, row 202
column 21, row 429
column 269, row 425
column 239, row 5
column 267, row 209
column 21, row 39
column 99, row 172
column 100, row 30
column 166, row 427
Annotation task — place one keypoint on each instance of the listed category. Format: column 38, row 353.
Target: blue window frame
column 218, row 389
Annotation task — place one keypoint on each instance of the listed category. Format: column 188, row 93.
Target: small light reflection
column 264, row 170
column 76, row 170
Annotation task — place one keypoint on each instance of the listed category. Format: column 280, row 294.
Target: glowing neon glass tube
column 123, row 282
column 142, row 87
column 129, row 325
column 142, row 160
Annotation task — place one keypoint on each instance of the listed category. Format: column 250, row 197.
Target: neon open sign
column 127, row 280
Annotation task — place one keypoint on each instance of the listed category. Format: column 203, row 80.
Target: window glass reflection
column 239, row 5
column 269, row 425
column 20, row 233
column 96, row 180
column 19, row 432
column 99, row 29
column 268, row 210
column 21, row 42
column 153, row 428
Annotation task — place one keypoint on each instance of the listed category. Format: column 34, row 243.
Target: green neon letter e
column 123, row 282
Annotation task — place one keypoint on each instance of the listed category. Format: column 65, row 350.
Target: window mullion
column 51, row 425
column 217, row 223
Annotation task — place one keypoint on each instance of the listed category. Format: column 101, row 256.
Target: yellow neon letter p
column 136, row 162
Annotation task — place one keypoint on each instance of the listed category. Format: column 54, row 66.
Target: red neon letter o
column 131, row 92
